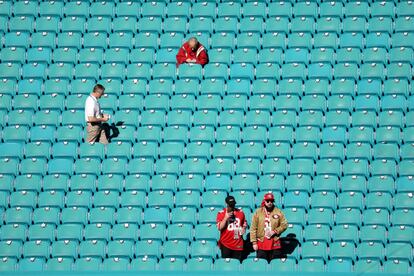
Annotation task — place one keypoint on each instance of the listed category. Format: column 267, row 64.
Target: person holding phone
column 97, row 129
column 232, row 225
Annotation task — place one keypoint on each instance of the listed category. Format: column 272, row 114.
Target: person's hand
column 189, row 60
column 255, row 247
column 269, row 234
column 228, row 215
column 105, row 117
column 243, row 230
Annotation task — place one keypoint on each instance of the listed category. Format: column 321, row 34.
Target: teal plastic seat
column 133, row 198
column 137, row 182
column 36, row 249
column 15, row 232
column 128, row 9
column 6, row 8
column 64, row 249
column 349, row 215
column 120, row 248
column 398, row 216
column 23, row 199
column 216, row 71
column 317, row 232
column 142, row 55
column 69, row 232
column 88, row 264
column 370, row 250
column 78, row 9
column 175, row 24
column 73, row 24
column 102, row 9
column 16, row 39
column 32, row 264
column 376, row 217
column 9, row 264
column 396, row 266
column 11, row 249
column 342, row 250
column 79, row 199
column 171, row 40
column 129, row 215
column 120, row 40
column 153, row 231
column 150, row 24
column 148, row 249
column 116, row 264
column 204, row 249
column 125, row 231
column 86, row 70
column 374, row 233
column 68, row 39
column 147, row 39
column 47, row 215
column 221, row 166
column 345, row 232
column 59, row 264
column 9, row 166
column 144, row 263
column 16, row 133
column 138, row 71
column 51, row 199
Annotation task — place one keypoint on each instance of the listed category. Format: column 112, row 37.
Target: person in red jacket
column 232, row 225
column 192, row 52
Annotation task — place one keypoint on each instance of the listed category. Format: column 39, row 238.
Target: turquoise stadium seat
column 309, row 100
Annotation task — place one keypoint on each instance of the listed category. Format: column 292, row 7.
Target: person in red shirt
column 268, row 223
column 232, row 224
column 192, row 52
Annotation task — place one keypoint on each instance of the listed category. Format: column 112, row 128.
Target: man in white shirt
column 96, row 128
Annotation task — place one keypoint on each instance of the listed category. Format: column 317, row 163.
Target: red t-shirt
column 227, row 234
column 268, row 244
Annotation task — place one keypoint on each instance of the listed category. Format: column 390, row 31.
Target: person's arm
column 181, row 56
column 93, row 119
column 253, row 229
column 282, row 225
column 221, row 224
column 202, row 58
column 243, row 224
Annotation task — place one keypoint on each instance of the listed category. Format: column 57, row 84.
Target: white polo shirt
column 92, row 108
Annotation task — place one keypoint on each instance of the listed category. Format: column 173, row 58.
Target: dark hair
column 98, row 88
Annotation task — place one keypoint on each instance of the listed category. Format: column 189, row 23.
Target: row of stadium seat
column 224, row 39
column 218, row 165
column 232, row 150
column 246, row 53
column 234, row 108
column 201, row 248
column 106, row 230
column 209, row 9
column 340, row 92
column 254, row 23
column 247, row 71
column 188, row 215
column 131, row 212
column 166, row 198
column 204, row 264
column 242, row 184
column 227, row 133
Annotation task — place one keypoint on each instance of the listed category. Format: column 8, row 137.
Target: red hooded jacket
column 199, row 54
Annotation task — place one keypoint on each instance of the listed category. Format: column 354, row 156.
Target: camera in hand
column 232, row 218
column 231, row 204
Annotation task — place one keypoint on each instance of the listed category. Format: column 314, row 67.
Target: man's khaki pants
column 97, row 133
